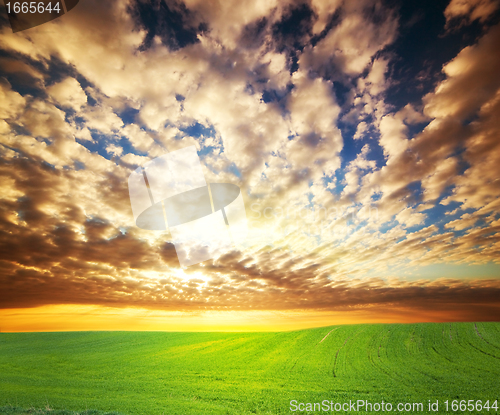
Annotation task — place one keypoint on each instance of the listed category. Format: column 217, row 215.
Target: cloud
column 350, row 45
column 313, row 119
column 466, row 11
column 409, row 218
column 11, row 103
column 68, row 93
column 360, row 130
column 393, row 136
column 339, row 188
column 325, row 11
column 470, row 80
column 115, row 150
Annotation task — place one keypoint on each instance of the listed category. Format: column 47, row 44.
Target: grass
column 11, row 410
column 247, row 373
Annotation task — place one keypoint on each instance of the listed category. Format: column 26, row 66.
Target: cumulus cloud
column 68, row 93
column 466, row 11
column 351, row 44
column 338, row 219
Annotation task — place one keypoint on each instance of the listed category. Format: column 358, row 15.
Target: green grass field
column 249, row 373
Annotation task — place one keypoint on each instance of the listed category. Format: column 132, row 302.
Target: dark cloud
column 253, row 35
column 294, row 28
column 170, row 20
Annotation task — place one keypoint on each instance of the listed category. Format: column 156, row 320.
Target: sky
column 363, row 135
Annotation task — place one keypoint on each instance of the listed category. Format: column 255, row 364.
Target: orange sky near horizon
column 98, row 318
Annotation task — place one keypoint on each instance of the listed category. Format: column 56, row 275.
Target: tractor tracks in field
column 386, row 335
column 340, row 348
column 482, row 338
column 477, row 332
column 487, row 342
column 449, row 333
column 380, row 364
column 327, row 335
column 336, row 356
column 316, row 345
